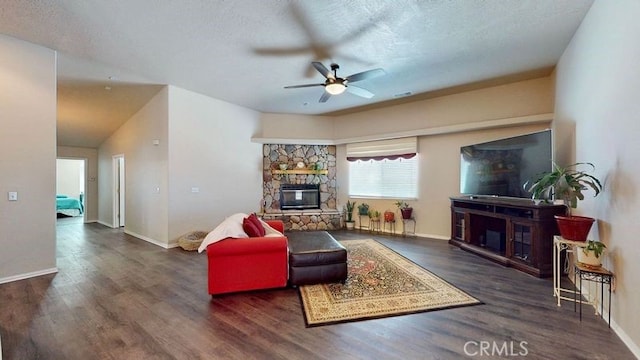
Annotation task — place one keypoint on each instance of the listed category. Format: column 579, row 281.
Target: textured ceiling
column 246, row 51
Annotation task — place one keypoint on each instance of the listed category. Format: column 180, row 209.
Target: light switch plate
column 12, row 195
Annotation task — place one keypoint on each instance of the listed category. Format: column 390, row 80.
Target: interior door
column 118, row 191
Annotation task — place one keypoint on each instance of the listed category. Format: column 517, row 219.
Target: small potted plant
column 389, row 216
column 405, row 209
column 374, row 215
column 349, row 212
column 566, row 184
column 591, row 255
column 363, row 209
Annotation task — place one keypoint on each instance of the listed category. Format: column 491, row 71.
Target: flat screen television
column 501, row 167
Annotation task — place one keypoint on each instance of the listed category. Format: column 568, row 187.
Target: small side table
column 405, row 222
column 598, row 275
column 559, row 244
column 392, row 226
column 363, row 227
column 374, row 225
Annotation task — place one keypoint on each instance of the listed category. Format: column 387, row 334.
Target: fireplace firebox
column 299, row 196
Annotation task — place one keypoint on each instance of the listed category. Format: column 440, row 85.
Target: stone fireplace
column 298, row 170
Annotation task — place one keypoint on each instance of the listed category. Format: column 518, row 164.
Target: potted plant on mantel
column 405, row 209
column 566, row 184
column 349, row 211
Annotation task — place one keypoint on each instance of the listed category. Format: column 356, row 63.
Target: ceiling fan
column 335, row 85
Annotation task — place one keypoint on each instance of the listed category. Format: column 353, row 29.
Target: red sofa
column 248, row 263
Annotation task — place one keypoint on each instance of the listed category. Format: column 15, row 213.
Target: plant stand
column 560, row 266
column 405, row 225
column 392, row 226
column 600, row 276
column 363, row 227
column 374, row 225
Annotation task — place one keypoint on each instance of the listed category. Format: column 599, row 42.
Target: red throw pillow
column 250, row 228
column 254, row 219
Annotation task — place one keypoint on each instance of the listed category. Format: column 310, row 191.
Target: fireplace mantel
column 303, row 220
column 300, row 172
column 309, row 212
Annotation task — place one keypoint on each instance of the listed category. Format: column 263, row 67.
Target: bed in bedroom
column 69, row 206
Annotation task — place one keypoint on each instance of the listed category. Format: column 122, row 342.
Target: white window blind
column 384, row 169
column 378, row 150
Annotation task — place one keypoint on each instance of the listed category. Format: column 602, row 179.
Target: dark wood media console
column 512, row 232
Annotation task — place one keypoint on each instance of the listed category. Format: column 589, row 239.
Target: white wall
column 27, row 164
column 597, row 87
column 210, row 149
column 204, row 143
column 294, row 126
column 146, row 177
column 439, row 154
column 498, row 102
column 91, row 177
column 68, row 175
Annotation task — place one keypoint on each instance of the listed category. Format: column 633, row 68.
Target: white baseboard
column 105, row 224
column 433, row 236
column 150, row 240
column 626, row 339
column 29, row 275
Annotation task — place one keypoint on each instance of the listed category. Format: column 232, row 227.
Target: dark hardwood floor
column 118, row 297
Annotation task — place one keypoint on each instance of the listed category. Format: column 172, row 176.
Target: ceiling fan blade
column 369, row 74
column 322, row 69
column 325, row 96
column 355, row 90
column 302, row 86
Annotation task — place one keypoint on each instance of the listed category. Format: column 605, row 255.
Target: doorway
column 118, row 191
column 71, row 189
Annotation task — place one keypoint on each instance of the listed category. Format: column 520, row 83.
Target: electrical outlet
column 12, row 195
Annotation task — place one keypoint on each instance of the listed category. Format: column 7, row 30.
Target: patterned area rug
column 381, row 283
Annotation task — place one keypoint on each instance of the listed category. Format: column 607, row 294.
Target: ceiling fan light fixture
column 335, row 88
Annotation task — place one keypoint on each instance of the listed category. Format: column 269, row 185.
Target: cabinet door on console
column 521, row 244
column 459, row 226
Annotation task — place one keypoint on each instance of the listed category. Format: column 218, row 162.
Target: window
column 384, row 168
column 384, row 178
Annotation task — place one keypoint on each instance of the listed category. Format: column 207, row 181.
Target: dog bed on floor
column 191, row 241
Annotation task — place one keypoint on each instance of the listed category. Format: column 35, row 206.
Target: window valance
column 391, row 149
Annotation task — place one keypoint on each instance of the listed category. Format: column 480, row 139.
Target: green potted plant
column 591, row 255
column 567, row 184
column 363, row 209
column 374, row 215
column 405, row 209
column 349, row 212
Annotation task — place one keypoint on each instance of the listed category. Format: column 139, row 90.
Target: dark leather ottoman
column 315, row 257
